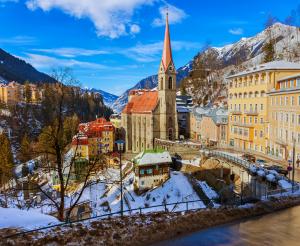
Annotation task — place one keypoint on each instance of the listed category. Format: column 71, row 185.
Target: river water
column 280, row 228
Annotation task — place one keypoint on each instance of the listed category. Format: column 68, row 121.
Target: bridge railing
column 234, row 159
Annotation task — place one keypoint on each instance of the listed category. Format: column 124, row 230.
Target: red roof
column 142, row 102
column 95, row 128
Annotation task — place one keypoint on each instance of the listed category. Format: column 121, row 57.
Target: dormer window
column 170, row 68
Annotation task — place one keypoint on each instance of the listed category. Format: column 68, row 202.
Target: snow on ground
column 284, row 184
column 209, row 192
column 16, row 218
column 106, row 197
column 193, row 162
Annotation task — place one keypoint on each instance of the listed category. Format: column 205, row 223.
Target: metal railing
column 165, row 207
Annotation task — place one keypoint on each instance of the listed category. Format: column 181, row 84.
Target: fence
column 166, row 207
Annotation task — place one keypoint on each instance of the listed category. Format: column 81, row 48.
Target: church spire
column 167, row 52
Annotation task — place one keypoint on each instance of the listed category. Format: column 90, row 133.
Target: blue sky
column 112, row 44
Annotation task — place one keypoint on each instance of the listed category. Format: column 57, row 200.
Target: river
column 280, row 228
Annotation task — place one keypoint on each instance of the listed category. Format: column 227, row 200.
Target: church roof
column 142, row 102
column 167, row 52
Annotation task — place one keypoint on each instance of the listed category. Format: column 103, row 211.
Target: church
column 151, row 114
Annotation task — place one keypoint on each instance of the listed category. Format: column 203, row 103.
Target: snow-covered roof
column 149, row 157
column 274, row 65
column 181, row 109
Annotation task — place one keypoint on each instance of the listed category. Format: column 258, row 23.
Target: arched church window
column 170, row 83
column 161, row 83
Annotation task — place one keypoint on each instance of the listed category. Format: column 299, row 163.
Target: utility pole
column 121, row 179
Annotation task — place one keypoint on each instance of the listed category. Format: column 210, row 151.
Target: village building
column 248, row 104
column 14, row 92
column 210, row 126
column 152, row 168
column 100, row 134
column 151, row 114
column 184, row 105
column 284, row 118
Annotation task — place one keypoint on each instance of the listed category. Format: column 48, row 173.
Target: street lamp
column 120, row 146
column 294, row 143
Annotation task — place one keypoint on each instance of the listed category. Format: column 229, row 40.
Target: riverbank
column 145, row 229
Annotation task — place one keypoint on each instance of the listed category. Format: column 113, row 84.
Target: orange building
column 100, row 134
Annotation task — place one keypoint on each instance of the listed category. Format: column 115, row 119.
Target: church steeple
column 167, row 51
column 167, row 91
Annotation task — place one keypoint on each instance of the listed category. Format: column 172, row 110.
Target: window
column 299, row 119
column 149, row 171
column 298, row 100
column 293, row 118
column 261, row 107
column 255, row 120
column 170, row 83
column 292, row 100
column 298, row 82
column 286, row 101
column 287, row 117
column 261, row 134
column 261, row 120
column 142, row 172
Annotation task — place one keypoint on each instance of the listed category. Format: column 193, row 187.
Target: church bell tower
column 167, row 91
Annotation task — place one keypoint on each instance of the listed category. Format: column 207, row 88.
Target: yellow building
column 14, row 92
column 284, row 118
column 80, row 146
column 248, row 104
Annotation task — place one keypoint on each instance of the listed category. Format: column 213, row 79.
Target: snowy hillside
column 106, row 197
column 149, row 82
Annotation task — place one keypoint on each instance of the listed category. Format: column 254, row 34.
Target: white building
column 152, row 168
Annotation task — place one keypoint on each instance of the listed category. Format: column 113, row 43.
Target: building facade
column 284, row 118
column 152, row 114
column 248, row 104
column 14, row 92
column 210, row 126
column 152, row 168
column 100, row 136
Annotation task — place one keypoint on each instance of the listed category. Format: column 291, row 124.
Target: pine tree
column 269, row 51
column 6, row 158
column 25, row 149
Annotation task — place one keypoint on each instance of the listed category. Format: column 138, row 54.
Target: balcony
column 281, row 142
column 251, row 112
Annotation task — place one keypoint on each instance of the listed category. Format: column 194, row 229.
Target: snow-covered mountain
column 150, row 83
column 245, row 53
column 286, row 39
column 108, row 98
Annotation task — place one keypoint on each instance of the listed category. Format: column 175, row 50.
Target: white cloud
column 46, row 62
column 236, row 31
column 72, row 52
column 134, row 29
column 176, row 15
column 111, row 18
column 152, row 52
column 18, row 40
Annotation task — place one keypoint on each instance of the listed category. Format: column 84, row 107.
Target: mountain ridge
column 237, row 56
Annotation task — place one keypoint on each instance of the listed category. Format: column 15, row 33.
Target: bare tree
column 54, row 148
